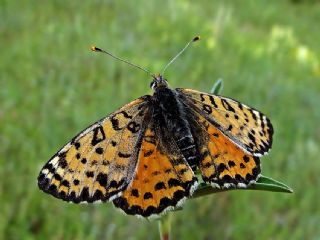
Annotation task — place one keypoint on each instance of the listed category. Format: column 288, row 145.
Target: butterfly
column 143, row 157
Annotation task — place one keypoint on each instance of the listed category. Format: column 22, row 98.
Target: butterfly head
column 158, row 82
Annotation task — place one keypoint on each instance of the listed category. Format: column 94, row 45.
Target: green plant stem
column 165, row 226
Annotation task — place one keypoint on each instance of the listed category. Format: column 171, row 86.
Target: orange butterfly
column 143, row 156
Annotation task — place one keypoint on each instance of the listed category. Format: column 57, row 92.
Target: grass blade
column 217, row 87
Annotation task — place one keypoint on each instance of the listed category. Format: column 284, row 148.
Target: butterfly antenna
column 185, row 47
column 96, row 49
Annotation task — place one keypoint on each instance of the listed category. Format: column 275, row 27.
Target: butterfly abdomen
column 173, row 116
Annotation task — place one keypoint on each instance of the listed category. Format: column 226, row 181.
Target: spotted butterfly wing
column 100, row 162
column 163, row 177
column 246, row 127
column 222, row 163
column 228, row 145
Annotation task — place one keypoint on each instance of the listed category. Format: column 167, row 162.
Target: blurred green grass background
column 53, row 86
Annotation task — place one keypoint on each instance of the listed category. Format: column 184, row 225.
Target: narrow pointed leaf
column 263, row 184
column 217, row 87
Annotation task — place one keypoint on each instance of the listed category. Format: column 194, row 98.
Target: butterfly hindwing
column 99, row 163
column 222, row 163
column 245, row 126
column 163, row 178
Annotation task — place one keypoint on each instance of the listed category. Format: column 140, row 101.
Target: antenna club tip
column 197, row 38
column 95, row 49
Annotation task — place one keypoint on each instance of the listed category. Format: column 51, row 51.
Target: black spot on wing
column 148, row 153
column 84, row 195
column 253, row 114
column 212, row 101
column 77, row 145
column 246, row 158
column 83, row 160
column 202, row 97
column 90, row 174
column 76, row 182
column 50, row 167
column 63, row 163
column 173, row 182
column 124, row 155
column 231, row 163
column 125, row 114
column 65, row 183
column 115, row 124
column 159, row 186
column 102, row 179
column 57, row 177
column 98, row 136
column 99, row 150
column 251, row 137
column 135, row 192
column 147, row 195
column 207, row 109
column 98, row 195
column 115, row 184
column 133, row 127
column 226, row 105
column 221, row 167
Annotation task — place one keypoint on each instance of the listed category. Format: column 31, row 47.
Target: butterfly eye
column 153, row 84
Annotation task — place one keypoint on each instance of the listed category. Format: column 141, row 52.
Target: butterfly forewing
column 99, row 163
column 245, row 126
column 163, row 177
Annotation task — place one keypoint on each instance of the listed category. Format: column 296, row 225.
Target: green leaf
column 217, row 87
column 269, row 184
column 263, row 184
